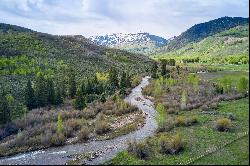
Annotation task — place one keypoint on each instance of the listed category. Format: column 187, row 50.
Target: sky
column 166, row 18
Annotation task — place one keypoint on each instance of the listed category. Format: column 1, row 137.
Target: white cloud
column 91, row 17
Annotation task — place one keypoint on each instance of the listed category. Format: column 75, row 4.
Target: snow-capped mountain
column 138, row 42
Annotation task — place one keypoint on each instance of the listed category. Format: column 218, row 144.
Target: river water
column 60, row 155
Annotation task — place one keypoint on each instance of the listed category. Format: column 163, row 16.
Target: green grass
column 229, row 154
column 200, row 137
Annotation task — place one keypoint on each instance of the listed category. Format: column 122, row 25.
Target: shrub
column 170, row 82
column 58, row 139
column 171, row 145
column 185, row 121
column 148, row 90
column 242, row 85
column 89, row 113
column 184, row 98
column 180, row 121
column 166, row 126
column 83, row 134
column 46, row 138
column 161, row 116
column 59, row 123
column 102, row 126
column 140, row 149
column 75, row 124
column 226, row 84
column 20, row 138
column 136, row 80
column 171, row 110
column 223, row 124
column 158, row 89
column 190, row 121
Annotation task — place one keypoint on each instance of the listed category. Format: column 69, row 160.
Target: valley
column 126, row 99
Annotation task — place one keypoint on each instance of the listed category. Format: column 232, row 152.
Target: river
column 109, row 148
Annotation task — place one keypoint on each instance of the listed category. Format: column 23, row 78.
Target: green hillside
column 24, row 54
column 230, row 46
column 200, row 31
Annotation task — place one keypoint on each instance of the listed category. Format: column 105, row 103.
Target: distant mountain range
column 133, row 42
column 148, row 44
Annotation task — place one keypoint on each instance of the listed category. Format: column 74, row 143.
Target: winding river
column 60, row 155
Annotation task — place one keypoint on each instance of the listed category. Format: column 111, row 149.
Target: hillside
column 24, row 53
column 143, row 43
column 217, row 48
column 200, row 31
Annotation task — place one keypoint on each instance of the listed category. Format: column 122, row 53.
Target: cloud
column 92, row 17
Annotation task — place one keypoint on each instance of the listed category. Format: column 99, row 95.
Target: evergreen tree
column 72, row 87
column 41, row 90
column 123, row 80
column 113, row 77
column 58, row 96
column 163, row 67
column 88, row 87
column 4, row 109
column 80, row 101
column 154, row 70
column 51, row 92
column 83, row 88
column 30, row 98
column 72, row 84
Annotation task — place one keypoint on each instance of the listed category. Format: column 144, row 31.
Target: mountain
column 136, row 43
column 229, row 46
column 200, row 31
column 25, row 53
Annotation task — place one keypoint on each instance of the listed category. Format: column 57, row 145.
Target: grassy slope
column 230, row 42
column 200, row 137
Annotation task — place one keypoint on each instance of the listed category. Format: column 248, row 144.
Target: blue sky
column 166, row 18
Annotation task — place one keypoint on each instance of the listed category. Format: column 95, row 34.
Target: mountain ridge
column 141, row 42
column 202, row 30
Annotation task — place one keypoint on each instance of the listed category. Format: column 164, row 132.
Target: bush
column 190, row 121
column 136, row 80
column 223, row 124
column 141, row 149
column 171, row 110
column 184, row 98
column 58, row 139
column 180, row 121
column 166, row 126
column 242, row 85
column 46, row 138
column 83, row 134
column 102, row 127
column 161, row 116
column 185, row 121
column 171, row 145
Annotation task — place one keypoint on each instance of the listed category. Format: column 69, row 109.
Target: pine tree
column 123, row 80
column 4, row 109
column 58, row 96
column 163, row 67
column 80, row 101
column 154, row 70
column 113, row 78
column 51, row 92
column 72, row 85
column 41, row 90
column 30, row 98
